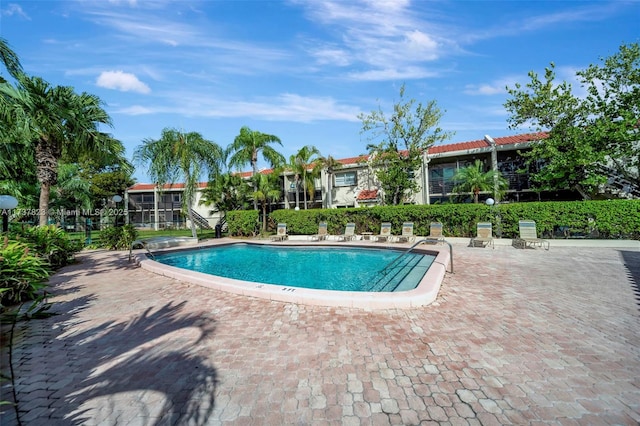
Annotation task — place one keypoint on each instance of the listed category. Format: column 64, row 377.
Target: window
column 346, row 179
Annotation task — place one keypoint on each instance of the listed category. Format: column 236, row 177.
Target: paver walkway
column 523, row 337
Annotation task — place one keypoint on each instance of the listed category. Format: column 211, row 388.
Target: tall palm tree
column 474, row 179
column 72, row 193
column 306, row 166
column 293, row 166
column 227, row 192
column 267, row 191
column 56, row 123
column 10, row 153
column 246, row 148
column 330, row 164
column 179, row 156
column 10, row 60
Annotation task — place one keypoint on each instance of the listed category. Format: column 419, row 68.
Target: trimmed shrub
column 243, row 223
column 592, row 219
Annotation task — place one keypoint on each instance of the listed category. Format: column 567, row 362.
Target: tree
column 306, row 166
column 401, row 140
column 330, row 164
column 179, row 156
column 226, row 193
column 590, row 138
column 55, row 123
column 475, row 180
column 10, row 60
column 108, row 182
column 267, row 191
column 11, row 156
column 72, row 193
column 246, row 148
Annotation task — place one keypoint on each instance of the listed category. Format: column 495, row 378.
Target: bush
column 243, row 223
column 593, row 219
column 22, row 272
column 52, row 243
column 118, row 237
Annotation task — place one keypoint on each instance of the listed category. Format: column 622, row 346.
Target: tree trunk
column 254, row 167
column 329, row 195
column 43, row 211
column 297, row 192
column 194, row 231
column 264, row 217
column 47, row 153
column 304, row 188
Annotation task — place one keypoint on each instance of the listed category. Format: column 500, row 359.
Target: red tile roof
column 481, row 143
column 439, row 149
column 368, row 194
column 354, row 160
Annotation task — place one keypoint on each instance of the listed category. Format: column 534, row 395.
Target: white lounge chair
column 385, row 233
column 407, row 233
column 529, row 236
column 322, row 232
column 484, row 235
column 349, row 232
column 435, row 233
column 281, row 233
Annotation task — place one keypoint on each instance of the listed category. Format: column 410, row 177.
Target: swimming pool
column 423, row 294
column 315, row 267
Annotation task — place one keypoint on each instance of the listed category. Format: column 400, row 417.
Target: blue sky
column 304, row 69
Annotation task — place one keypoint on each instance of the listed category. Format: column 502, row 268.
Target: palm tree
column 72, row 192
column 300, row 163
column 10, row 60
column 179, row 156
column 330, row 164
column 10, row 153
column 55, row 123
column 267, row 191
column 227, row 192
column 247, row 146
column 474, row 180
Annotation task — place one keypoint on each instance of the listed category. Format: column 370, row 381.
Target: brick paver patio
column 523, row 337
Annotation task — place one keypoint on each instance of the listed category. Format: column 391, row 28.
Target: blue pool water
column 325, row 268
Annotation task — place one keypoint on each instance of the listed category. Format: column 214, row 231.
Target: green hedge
column 243, row 223
column 617, row 219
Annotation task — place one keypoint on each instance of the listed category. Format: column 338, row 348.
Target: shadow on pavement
column 147, row 368
column 631, row 261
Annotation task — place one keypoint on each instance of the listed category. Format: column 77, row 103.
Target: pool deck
column 522, row 337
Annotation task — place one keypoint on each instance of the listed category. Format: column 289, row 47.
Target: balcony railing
column 517, row 182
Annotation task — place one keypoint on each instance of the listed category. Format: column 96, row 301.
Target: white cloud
column 136, row 110
column 388, row 37
column 406, row 73
column 484, row 89
column 283, row 107
column 119, row 80
column 14, row 9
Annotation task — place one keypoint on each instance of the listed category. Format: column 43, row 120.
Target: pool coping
column 424, row 294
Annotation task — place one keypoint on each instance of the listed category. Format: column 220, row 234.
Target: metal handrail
column 144, row 246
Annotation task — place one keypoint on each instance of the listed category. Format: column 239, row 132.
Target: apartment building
column 354, row 183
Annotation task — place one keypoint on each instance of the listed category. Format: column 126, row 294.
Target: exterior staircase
column 200, row 220
column 618, row 184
